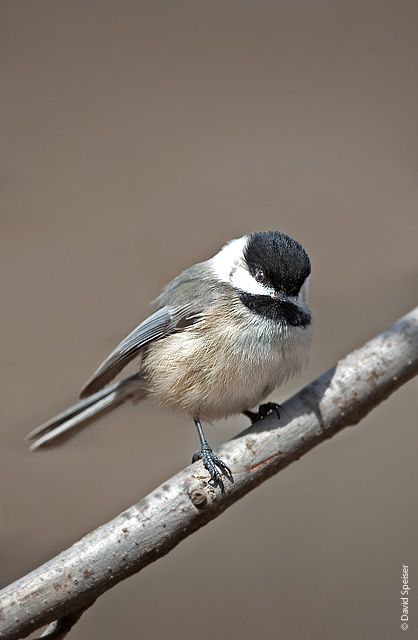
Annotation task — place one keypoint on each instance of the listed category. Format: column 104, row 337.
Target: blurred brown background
column 137, row 137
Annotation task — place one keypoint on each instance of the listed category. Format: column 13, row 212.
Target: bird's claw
column 213, row 464
column 264, row 410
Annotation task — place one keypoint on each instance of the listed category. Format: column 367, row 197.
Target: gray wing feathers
column 154, row 327
column 98, row 396
column 159, row 325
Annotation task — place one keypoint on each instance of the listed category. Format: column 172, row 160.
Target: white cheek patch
column 302, row 298
column 229, row 266
column 227, row 258
column 303, row 293
column 242, row 279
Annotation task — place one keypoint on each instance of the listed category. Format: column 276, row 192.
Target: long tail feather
column 69, row 423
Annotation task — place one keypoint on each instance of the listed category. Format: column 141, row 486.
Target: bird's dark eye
column 259, row 275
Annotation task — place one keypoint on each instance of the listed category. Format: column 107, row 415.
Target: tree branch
column 68, row 584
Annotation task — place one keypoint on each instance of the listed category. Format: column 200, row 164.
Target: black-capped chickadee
column 227, row 332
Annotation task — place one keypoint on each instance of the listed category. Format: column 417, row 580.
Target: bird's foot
column 213, row 464
column 264, row 410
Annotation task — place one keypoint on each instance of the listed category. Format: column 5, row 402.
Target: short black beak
column 281, row 296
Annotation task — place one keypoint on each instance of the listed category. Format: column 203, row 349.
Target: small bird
column 226, row 333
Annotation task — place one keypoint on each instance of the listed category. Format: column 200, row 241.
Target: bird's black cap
column 283, row 261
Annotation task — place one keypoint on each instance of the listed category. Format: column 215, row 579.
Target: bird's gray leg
column 211, row 462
